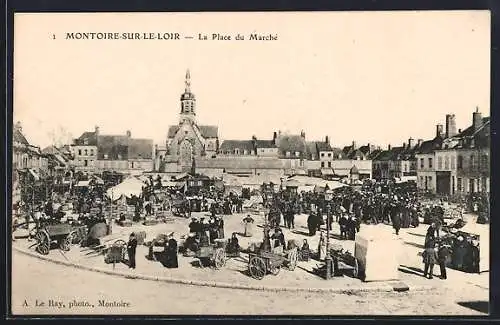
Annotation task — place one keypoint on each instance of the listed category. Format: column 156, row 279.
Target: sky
column 369, row 77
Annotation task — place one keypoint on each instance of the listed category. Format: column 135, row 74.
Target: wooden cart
column 116, row 252
column 61, row 233
column 346, row 261
column 261, row 263
column 213, row 254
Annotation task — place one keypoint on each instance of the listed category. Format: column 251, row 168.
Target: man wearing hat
column 131, row 248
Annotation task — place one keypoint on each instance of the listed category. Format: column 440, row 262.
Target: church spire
column 188, row 101
column 188, row 81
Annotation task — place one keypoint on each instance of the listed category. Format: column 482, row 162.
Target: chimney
column 459, row 130
column 419, row 142
column 451, row 126
column 19, row 127
column 275, row 136
column 303, row 134
column 404, row 145
column 129, row 134
column 327, row 140
column 439, row 130
column 96, row 130
column 411, row 143
column 369, row 148
column 388, row 147
column 354, row 145
column 477, row 119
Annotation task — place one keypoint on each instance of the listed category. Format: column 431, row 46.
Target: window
column 460, row 162
column 329, row 164
column 322, row 164
column 430, row 162
column 329, row 154
column 440, row 162
column 422, row 180
column 459, row 184
column 322, row 154
column 288, row 153
column 85, row 163
column 472, row 162
column 297, row 154
column 132, row 164
column 106, row 156
column 91, row 152
column 484, row 162
column 237, row 151
column 421, row 163
column 86, row 152
column 447, row 162
column 79, row 152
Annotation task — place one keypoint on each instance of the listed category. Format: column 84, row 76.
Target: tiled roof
column 265, row 144
column 323, row 146
column 114, row 146
column 470, row 130
column 231, row 145
column 18, row 136
column 172, row 131
column 430, row 145
column 292, row 144
column 207, row 131
column 87, row 138
column 374, row 154
column 140, row 149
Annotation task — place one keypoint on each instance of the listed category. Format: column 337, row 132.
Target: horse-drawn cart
column 213, row 254
column 262, row 262
column 61, row 233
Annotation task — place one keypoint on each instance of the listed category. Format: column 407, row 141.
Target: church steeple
column 188, row 101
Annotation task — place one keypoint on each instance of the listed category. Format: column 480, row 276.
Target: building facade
column 456, row 162
column 96, row 153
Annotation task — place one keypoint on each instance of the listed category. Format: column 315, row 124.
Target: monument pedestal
column 376, row 250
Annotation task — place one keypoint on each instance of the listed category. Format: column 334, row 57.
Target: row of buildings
column 454, row 161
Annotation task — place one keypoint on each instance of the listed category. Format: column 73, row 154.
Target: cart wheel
column 43, row 241
column 65, row 243
column 274, row 269
column 356, row 268
column 292, row 259
column 257, row 268
column 220, row 258
column 120, row 242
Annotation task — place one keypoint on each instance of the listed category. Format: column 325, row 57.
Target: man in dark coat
column 311, row 224
column 396, row 218
column 171, row 254
column 131, row 248
column 443, row 254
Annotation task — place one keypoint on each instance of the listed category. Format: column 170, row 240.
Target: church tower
column 188, row 102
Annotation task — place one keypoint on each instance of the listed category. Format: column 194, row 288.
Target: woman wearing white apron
column 322, row 247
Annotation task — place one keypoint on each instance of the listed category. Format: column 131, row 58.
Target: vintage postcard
column 264, row 163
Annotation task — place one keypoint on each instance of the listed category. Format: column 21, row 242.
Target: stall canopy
column 130, row 186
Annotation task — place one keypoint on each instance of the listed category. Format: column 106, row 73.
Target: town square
column 228, row 209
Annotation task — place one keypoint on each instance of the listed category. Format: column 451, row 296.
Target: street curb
column 383, row 287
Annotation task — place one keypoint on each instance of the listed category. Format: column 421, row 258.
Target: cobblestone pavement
column 411, row 268
column 36, row 280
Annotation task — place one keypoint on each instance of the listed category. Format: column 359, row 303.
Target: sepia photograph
column 251, row 163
